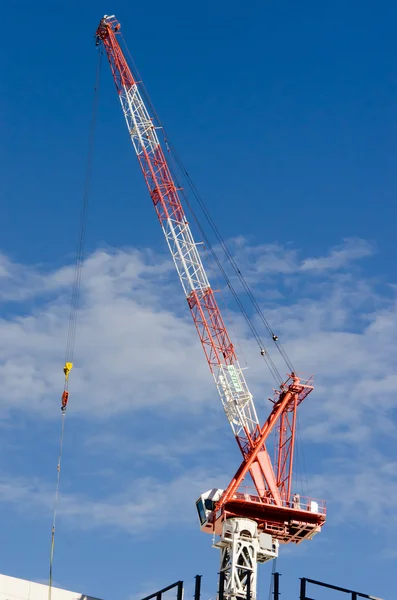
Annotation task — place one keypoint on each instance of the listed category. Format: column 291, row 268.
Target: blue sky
column 285, row 117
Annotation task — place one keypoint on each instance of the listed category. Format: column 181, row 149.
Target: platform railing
column 353, row 594
column 295, row 501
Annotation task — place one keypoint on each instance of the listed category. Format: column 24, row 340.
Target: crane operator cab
column 205, row 506
column 244, row 530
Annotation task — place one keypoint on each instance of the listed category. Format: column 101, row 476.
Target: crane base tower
column 242, row 546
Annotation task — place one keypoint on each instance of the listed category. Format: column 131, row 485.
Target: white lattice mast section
column 242, row 547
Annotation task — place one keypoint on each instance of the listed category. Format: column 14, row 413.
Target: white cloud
column 353, row 362
column 159, row 447
column 147, row 504
column 137, row 353
column 257, row 262
column 130, row 347
column 352, row 249
column 361, row 491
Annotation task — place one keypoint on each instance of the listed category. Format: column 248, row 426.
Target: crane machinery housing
column 249, row 523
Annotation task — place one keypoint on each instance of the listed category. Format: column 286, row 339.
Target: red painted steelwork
column 273, row 489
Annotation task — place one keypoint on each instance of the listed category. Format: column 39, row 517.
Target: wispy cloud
column 258, row 261
column 361, row 490
column 148, row 504
column 137, row 353
column 351, row 250
column 189, row 442
column 130, row 351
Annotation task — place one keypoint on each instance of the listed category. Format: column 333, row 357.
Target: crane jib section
column 229, row 379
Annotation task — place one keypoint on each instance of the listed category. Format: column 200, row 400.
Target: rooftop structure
column 12, row 588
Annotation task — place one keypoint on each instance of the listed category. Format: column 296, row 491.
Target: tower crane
column 248, row 524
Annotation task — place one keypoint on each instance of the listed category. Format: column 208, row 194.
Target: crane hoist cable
column 271, row 586
column 231, row 260
column 265, row 354
column 74, row 303
column 177, row 162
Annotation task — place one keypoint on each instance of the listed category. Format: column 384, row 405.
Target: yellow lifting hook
column 66, row 369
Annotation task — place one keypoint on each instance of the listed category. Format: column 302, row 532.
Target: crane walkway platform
column 295, row 520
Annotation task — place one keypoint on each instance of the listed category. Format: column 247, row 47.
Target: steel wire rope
column 211, row 222
column 269, row 361
column 232, row 324
column 75, row 298
column 176, row 159
column 274, row 566
column 232, row 261
column 303, row 467
column 227, row 312
column 265, row 354
column 74, row 305
column 297, row 480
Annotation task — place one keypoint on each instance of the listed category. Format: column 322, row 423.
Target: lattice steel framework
column 219, row 350
column 273, row 489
